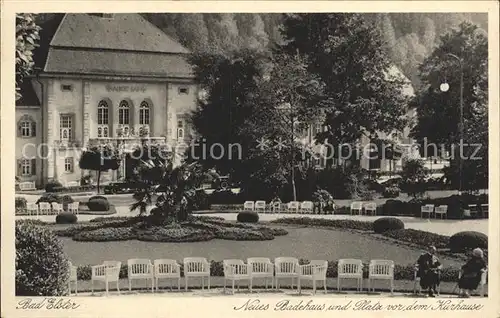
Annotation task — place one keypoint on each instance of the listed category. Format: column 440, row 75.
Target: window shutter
column 19, row 167
column 111, row 115
column 19, row 130
column 33, row 167
column 33, row 129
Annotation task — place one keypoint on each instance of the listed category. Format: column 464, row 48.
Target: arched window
column 144, row 113
column 26, row 127
column 103, row 119
column 124, row 113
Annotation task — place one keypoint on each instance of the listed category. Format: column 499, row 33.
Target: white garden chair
column 72, row 184
column 484, row 209
column 307, row 207
column 236, row 270
column 32, row 209
column 73, row 278
column 286, row 267
column 260, row 206
column 482, row 283
column 108, row 272
column 427, row 209
column 472, row 210
column 57, row 208
column 248, row 206
column 350, row 269
column 197, row 267
column 441, row 210
column 44, row 208
column 416, row 282
column 167, row 269
column 261, row 267
column 293, row 207
column 314, row 271
column 74, row 207
column 276, row 207
column 381, row 270
column 370, row 208
column 356, row 207
column 139, row 268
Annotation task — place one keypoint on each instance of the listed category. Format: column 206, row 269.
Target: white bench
column 27, row 186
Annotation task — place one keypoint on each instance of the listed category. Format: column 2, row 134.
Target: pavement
column 402, row 288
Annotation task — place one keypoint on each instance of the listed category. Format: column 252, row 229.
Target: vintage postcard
column 249, row 158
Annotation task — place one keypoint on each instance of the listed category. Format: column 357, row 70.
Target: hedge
column 387, row 224
column 343, row 224
column 42, row 268
column 401, row 272
column 467, row 240
column 66, row 218
column 248, row 217
column 74, row 189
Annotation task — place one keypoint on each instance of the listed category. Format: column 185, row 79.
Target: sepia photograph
column 251, row 155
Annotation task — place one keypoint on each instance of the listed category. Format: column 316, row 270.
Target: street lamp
column 444, row 87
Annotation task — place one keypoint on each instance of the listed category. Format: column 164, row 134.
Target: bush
column 66, row 218
column 391, row 192
column 248, row 217
column 392, row 207
column 199, row 201
column 98, row 197
column 50, row 198
column 21, row 203
column 463, row 241
column 42, row 268
column 387, row 224
column 98, row 205
column 51, row 185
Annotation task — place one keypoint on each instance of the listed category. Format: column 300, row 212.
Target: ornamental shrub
column 42, row 268
column 66, row 218
column 391, row 192
column 467, row 240
column 21, row 203
column 50, row 198
column 52, row 185
column 248, row 217
column 387, row 224
column 98, row 197
column 98, row 205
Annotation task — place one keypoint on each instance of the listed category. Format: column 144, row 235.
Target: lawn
column 306, row 243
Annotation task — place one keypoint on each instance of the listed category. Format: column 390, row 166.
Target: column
column 51, row 131
column 86, row 113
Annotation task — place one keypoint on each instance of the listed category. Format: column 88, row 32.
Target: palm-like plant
column 173, row 187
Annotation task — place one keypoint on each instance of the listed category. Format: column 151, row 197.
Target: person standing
column 428, row 267
column 472, row 272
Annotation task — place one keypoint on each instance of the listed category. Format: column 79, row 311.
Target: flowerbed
column 197, row 229
column 343, row 224
column 401, row 271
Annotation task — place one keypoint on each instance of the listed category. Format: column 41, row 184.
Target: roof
column 125, row 44
column 116, row 63
column 29, row 97
column 125, row 32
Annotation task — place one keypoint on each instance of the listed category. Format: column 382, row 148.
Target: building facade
column 101, row 79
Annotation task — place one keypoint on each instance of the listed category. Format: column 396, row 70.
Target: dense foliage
column 42, row 268
column 387, row 224
column 27, row 36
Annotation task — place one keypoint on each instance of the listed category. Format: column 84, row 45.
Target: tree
column 413, row 175
column 439, row 112
column 174, row 187
column 99, row 159
column 347, row 54
column 26, row 41
column 192, row 31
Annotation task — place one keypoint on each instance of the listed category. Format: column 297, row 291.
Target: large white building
column 101, row 78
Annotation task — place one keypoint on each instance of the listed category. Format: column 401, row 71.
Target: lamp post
column 444, row 87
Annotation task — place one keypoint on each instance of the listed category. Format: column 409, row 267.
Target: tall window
column 65, row 127
column 102, row 119
column 124, row 117
column 124, row 113
column 144, row 113
column 26, row 167
column 68, row 164
column 180, row 129
column 26, row 127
